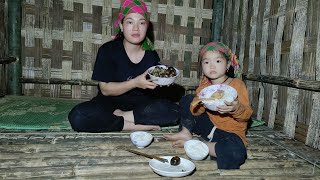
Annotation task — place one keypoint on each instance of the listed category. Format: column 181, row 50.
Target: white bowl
column 185, row 167
column 162, row 81
column 196, row 150
column 141, row 139
column 229, row 95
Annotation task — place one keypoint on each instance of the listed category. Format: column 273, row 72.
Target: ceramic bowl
column 141, row 139
column 185, row 167
column 196, row 150
column 229, row 95
column 163, row 81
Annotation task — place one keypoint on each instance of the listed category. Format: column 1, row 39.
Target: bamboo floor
column 71, row 155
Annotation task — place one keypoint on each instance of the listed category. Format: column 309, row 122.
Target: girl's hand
column 143, row 83
column 230, row 107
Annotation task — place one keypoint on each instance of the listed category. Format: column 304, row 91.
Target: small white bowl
column 196, row 150
column 162, row 81
column 141, row 139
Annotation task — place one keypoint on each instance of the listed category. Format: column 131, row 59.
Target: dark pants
column 230, row 150
column 97, row 116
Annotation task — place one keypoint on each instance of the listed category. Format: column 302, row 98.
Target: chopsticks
column 147, row 155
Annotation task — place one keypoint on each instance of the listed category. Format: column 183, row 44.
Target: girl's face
column 134, row 28
column 214, row 66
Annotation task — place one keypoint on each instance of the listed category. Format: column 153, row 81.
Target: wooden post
column 14, row 49
column 217, row 16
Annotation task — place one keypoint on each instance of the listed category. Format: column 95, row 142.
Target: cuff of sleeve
column 198, row 110
column 238, row 111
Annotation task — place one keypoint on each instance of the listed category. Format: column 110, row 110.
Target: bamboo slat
column 295, row 65
column 276, row 64
column 263, row 64
column 252, row 42
column 234, row 29
column 244, row 12
column 313, row 135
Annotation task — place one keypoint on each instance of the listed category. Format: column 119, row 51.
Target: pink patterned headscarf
column 218, row 46
column 133, row 6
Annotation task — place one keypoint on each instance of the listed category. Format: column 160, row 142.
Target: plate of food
column 185, row 167
column 163, row 75
column 217, row 94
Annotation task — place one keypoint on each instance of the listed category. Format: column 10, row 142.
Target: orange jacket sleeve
column 244, row 111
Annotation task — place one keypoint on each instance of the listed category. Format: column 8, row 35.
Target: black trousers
column 97, row 115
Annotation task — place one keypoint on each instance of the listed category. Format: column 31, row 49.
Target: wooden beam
column 285, row 81
column 59, row 81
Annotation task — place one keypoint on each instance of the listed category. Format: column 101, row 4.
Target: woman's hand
column 143, row 83
column 230, row 107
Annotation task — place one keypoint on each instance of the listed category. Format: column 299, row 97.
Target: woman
column 125, row 100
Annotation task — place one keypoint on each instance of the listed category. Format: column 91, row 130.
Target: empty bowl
column 141, row 139
column 196, row 150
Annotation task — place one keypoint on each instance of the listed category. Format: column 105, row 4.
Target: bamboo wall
column 60, row 39
column 278, row 43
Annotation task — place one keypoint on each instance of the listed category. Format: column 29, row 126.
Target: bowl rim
column 173, row 174
column 149, row 135
column 224, row 86
column 162, row 65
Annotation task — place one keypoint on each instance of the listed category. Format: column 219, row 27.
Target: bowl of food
column 141, row 139
column 218, row 94
column 163, row 75
column 196, row 150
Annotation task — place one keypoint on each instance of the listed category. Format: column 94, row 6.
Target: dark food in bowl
column 163, row 72
column 175, row 161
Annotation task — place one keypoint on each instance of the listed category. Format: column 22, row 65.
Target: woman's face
column 214, row 65
column 134, row 28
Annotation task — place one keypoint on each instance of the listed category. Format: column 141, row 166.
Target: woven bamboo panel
column 279, row 38
column 60, row 39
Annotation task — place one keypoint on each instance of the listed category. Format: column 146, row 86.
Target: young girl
column 124, row 100
column 224, row 129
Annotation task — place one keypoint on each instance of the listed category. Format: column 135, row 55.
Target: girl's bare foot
column 179, row 138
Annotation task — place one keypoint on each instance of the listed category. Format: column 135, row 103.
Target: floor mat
column 35, row 113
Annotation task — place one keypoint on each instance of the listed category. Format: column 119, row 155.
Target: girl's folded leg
column 230, row 151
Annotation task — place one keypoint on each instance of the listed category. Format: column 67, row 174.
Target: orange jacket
column 235, row 122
